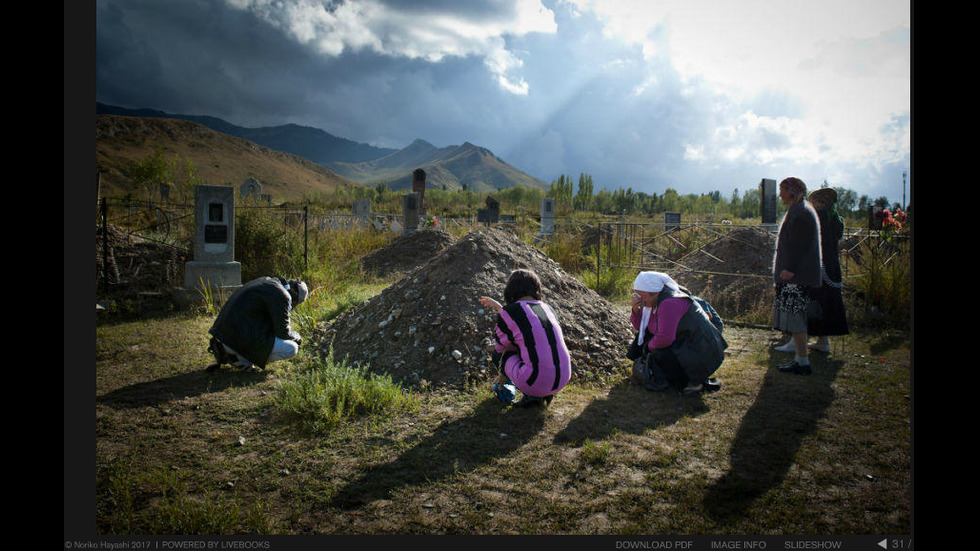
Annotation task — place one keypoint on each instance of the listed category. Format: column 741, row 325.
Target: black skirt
column 832, row 320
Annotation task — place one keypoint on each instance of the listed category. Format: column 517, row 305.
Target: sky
column 695, row 95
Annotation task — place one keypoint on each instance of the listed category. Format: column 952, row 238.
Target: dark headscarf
column 794, row 186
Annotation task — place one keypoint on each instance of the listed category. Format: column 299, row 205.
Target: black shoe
column 221, row 355
column 712, row 384
column 795, row 367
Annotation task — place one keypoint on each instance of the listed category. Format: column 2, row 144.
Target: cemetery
column 192, row 447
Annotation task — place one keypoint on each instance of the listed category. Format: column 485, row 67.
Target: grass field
column 183, row 451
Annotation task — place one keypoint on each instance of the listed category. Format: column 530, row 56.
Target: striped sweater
column 540, row 364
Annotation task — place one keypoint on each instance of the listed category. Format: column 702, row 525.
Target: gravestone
column 418, row 186
column 251, row 188
column 491, row 214
column 410, row 211
column 214, row 262
column 672, row 221
column 547, row 216
column 362, row 209
column 767, row 203
column 875, row 217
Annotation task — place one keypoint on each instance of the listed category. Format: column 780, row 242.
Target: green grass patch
column 331, row 392
column 160, row 501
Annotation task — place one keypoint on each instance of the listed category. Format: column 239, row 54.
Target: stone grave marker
column 410, row 211
column 547, row 216
column 214, row 262
column 767, row 193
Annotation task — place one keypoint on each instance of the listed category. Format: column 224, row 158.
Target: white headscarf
column 654, row 282
column 651, row 282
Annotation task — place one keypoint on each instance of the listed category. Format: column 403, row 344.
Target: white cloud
column 843, row 66
column 430, row 34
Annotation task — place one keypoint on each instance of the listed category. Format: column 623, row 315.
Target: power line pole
column 904, row 173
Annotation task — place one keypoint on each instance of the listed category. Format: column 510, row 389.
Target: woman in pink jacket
column 676, row 345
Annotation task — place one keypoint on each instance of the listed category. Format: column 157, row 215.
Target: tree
column 671, row 200
column 864, row 203
column 382, row 193
column 735, row 204
column 846, row 199
column 583, row 198
column 561, row 191
column 751, row 203
column 153, row 172
column 150, row 172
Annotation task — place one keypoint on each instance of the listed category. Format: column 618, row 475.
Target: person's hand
column 786, row 275
column 635, row 302
column 488, row 302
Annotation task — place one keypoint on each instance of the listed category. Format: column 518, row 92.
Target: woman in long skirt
column 832, row 320
column 796, row 270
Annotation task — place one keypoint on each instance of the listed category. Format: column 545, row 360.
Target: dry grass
column 183, row 451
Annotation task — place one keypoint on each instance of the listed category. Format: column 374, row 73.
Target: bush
column 878, row 286
column 265, row 245
column 330, row 393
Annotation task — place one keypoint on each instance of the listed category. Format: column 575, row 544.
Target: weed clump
column 331, row 393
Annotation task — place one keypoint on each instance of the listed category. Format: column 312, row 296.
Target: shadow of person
column 177, row 387
column 787, row 409
column 455, row 446
column 629, row 408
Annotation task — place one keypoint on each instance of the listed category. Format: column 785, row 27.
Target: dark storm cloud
column 547, row 88
column 197, row 57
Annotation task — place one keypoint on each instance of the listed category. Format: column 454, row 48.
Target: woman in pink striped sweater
column 529, row 344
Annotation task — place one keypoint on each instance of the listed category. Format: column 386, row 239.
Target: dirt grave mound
column 430, row 329
column 733, row 272
column 407, row 252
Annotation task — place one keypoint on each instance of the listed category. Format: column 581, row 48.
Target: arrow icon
column 883, row 543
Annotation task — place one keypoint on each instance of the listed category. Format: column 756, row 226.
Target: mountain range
column 309, row 143
column 454, row 167
column 121, row 142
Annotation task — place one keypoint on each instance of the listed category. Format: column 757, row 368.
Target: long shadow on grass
column 167, row 389
column 455, row 446
column 787, row 409
column 629, row 408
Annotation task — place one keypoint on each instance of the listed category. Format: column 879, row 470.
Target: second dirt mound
column 407, row 252
column 734, row 273
column 430, row 329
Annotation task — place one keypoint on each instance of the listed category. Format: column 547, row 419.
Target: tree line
column 571, row 196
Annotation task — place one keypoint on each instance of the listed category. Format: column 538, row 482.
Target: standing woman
column 832, row 320
column 796, row 270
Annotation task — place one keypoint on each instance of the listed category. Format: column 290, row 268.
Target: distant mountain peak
column 419, row 143
column 451, row 167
